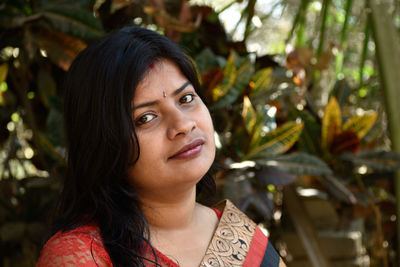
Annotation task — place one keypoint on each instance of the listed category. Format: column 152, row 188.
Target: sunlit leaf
column 249, row 115
column 331, row 122
column 3, row 72
column 265, row 123
column 297, row 163
column 240, row 84
column 360, row 124
column 278, row 141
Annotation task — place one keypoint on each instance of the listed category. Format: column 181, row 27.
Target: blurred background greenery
column 304, row 99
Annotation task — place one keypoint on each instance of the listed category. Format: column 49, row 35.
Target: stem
column 325, row 8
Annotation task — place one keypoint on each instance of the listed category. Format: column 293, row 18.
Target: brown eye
column 146, row 118
column 187, row 99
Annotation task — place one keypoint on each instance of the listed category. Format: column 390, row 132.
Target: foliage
column 299, row 119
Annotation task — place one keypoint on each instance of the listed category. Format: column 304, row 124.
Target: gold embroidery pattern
column 231, row 240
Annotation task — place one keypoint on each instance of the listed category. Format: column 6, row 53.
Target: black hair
column 102, row 142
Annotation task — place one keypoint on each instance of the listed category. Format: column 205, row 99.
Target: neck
column 170, row 213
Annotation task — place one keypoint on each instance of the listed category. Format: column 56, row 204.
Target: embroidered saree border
column 238, row 241
column 231, row 240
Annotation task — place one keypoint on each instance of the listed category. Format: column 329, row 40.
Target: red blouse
column 83, row 246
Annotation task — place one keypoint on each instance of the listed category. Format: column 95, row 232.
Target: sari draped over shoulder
column 237, row 241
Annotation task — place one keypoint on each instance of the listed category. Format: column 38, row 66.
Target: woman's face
column 174, row 130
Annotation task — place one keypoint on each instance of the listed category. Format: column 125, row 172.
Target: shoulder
column 81, row 246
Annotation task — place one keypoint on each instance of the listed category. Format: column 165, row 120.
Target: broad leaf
column 3, row 72
column 237, row 186
column 310, row 138
column 229, row 78
column 331, row 122
column 46, row 86
column 249, row 115
column 339, row 189
column 240, row 84
column 73, row 20
column 206, row 60
column 378, row 161
column 360, row 124
column 265, row 123
column 298, row 164
column 61, row 48
column 278, row 141
column 275, row 176
column 261, row 201
column 260, row 81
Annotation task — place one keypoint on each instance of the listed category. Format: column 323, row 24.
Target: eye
column 187, row 99
column 146, row 118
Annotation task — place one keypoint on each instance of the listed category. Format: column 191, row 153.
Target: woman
column 141, row 142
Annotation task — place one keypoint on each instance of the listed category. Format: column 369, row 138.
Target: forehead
column 163, row 75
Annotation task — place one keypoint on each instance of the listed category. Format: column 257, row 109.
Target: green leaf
column 264, row 123
column 278, row 141
column 298, row 164
column 249, row 115
column 3, row 72
column 310, row 138
column 260, row 81
column 378, row 161
column 230, row 73
column 244, row 73
column 205, row 60
column 339, row 189
column 46, row 86
column 73, row 20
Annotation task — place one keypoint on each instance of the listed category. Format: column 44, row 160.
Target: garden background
column 304, row 96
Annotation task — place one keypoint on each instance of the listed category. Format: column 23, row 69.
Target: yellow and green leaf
column 331, row 122
column 230, row 71
column 278, row 141
column 260, row 80
column 360, row 124
column 249, row 115
column 3, row 72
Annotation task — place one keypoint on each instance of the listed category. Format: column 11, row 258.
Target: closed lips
column 188, row 147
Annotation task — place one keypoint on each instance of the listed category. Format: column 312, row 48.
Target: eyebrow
column 151, row 103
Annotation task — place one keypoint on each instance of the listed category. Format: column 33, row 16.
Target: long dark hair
column 101, row 138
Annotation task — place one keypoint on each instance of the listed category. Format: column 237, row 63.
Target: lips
column 190, row 150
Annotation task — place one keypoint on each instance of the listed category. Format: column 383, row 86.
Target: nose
column 179, row 123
